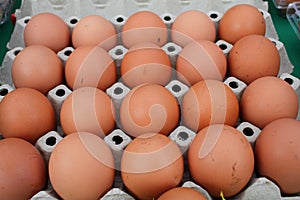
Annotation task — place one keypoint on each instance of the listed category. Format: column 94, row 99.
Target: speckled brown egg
column 221, row 159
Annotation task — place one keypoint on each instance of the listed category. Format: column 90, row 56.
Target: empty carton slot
column 182, row 136
column 118, row 90
column 233, row 84
column 117, row 139
column 60, row 92
column 289, row 80
column 3, row 92
column 51, row 141
column 248, row 131
column 176, row 88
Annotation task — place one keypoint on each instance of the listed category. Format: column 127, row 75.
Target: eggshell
column 277, row 153
column 88, row 109
column 90, row 66
column 47, row 29
column 144, row 26
column 22, row 169
column 209, row 102
column 81, row 167
column 180, row 193
column 94, row 30
column 200, row 60
column 252, row 57
column 37, row 67
column 239, row 21
column 142, row 64
column 26, row 113
column 151, row 164
column 267, row 99
column 221, row 159
column 149, row 108
column 192, row 25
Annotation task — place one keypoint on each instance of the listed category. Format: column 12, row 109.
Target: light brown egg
column 252, row 57
column 26, row 113
column 22, row 169
column 180, row 193
column 37, row 67
column 239, row 21
column 200, row 60
column 277, row 153
column 221, row 159
column 90, row 66
column 267, row 99
column 209, row 102
column 94, row 30
column 151, row 164
column 144, row 26
column 81, row 167
column 145, row 63
column 88, row 109
column 47, row 29
column 192, row 25
column 149, row 108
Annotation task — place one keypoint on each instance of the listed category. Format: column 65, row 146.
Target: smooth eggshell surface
column 81, row 167
column 47, row 29
column 239, row 21
column 201, row 60
column 189, row 26
column 151, row 164
column 94, row 30
column 221, row 159
column 144, row 26
column 277, row 153
column 88, row 109
column 145, row 63
column 37, row 67
column 209, row 102
column 149, row 108
column 180, row 193
column 22, row 169
column 252, row 57
column 26, row 113
column 267, row 99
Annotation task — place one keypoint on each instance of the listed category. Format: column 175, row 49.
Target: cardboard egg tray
column 71, row 11
column 293, row 16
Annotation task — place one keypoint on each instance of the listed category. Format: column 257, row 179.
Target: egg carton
column 293, row 16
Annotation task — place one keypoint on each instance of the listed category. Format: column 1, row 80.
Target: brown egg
column 144, row 26
column 192, row 25
column 221, row 159
column 252, row 57
column 37, row 67
column 88, row 109
column 180, row 193
column 149, row 108
column 142, row 64
column 22, row 169
column 90, row 66
column 48, row 30
column 209, row 102
column 81, row 167
column 94, row 30
column 26, row 113
column 277, row 153
column 239, row 21
column 200, row 60
column 151, row 164
column 267, row 99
